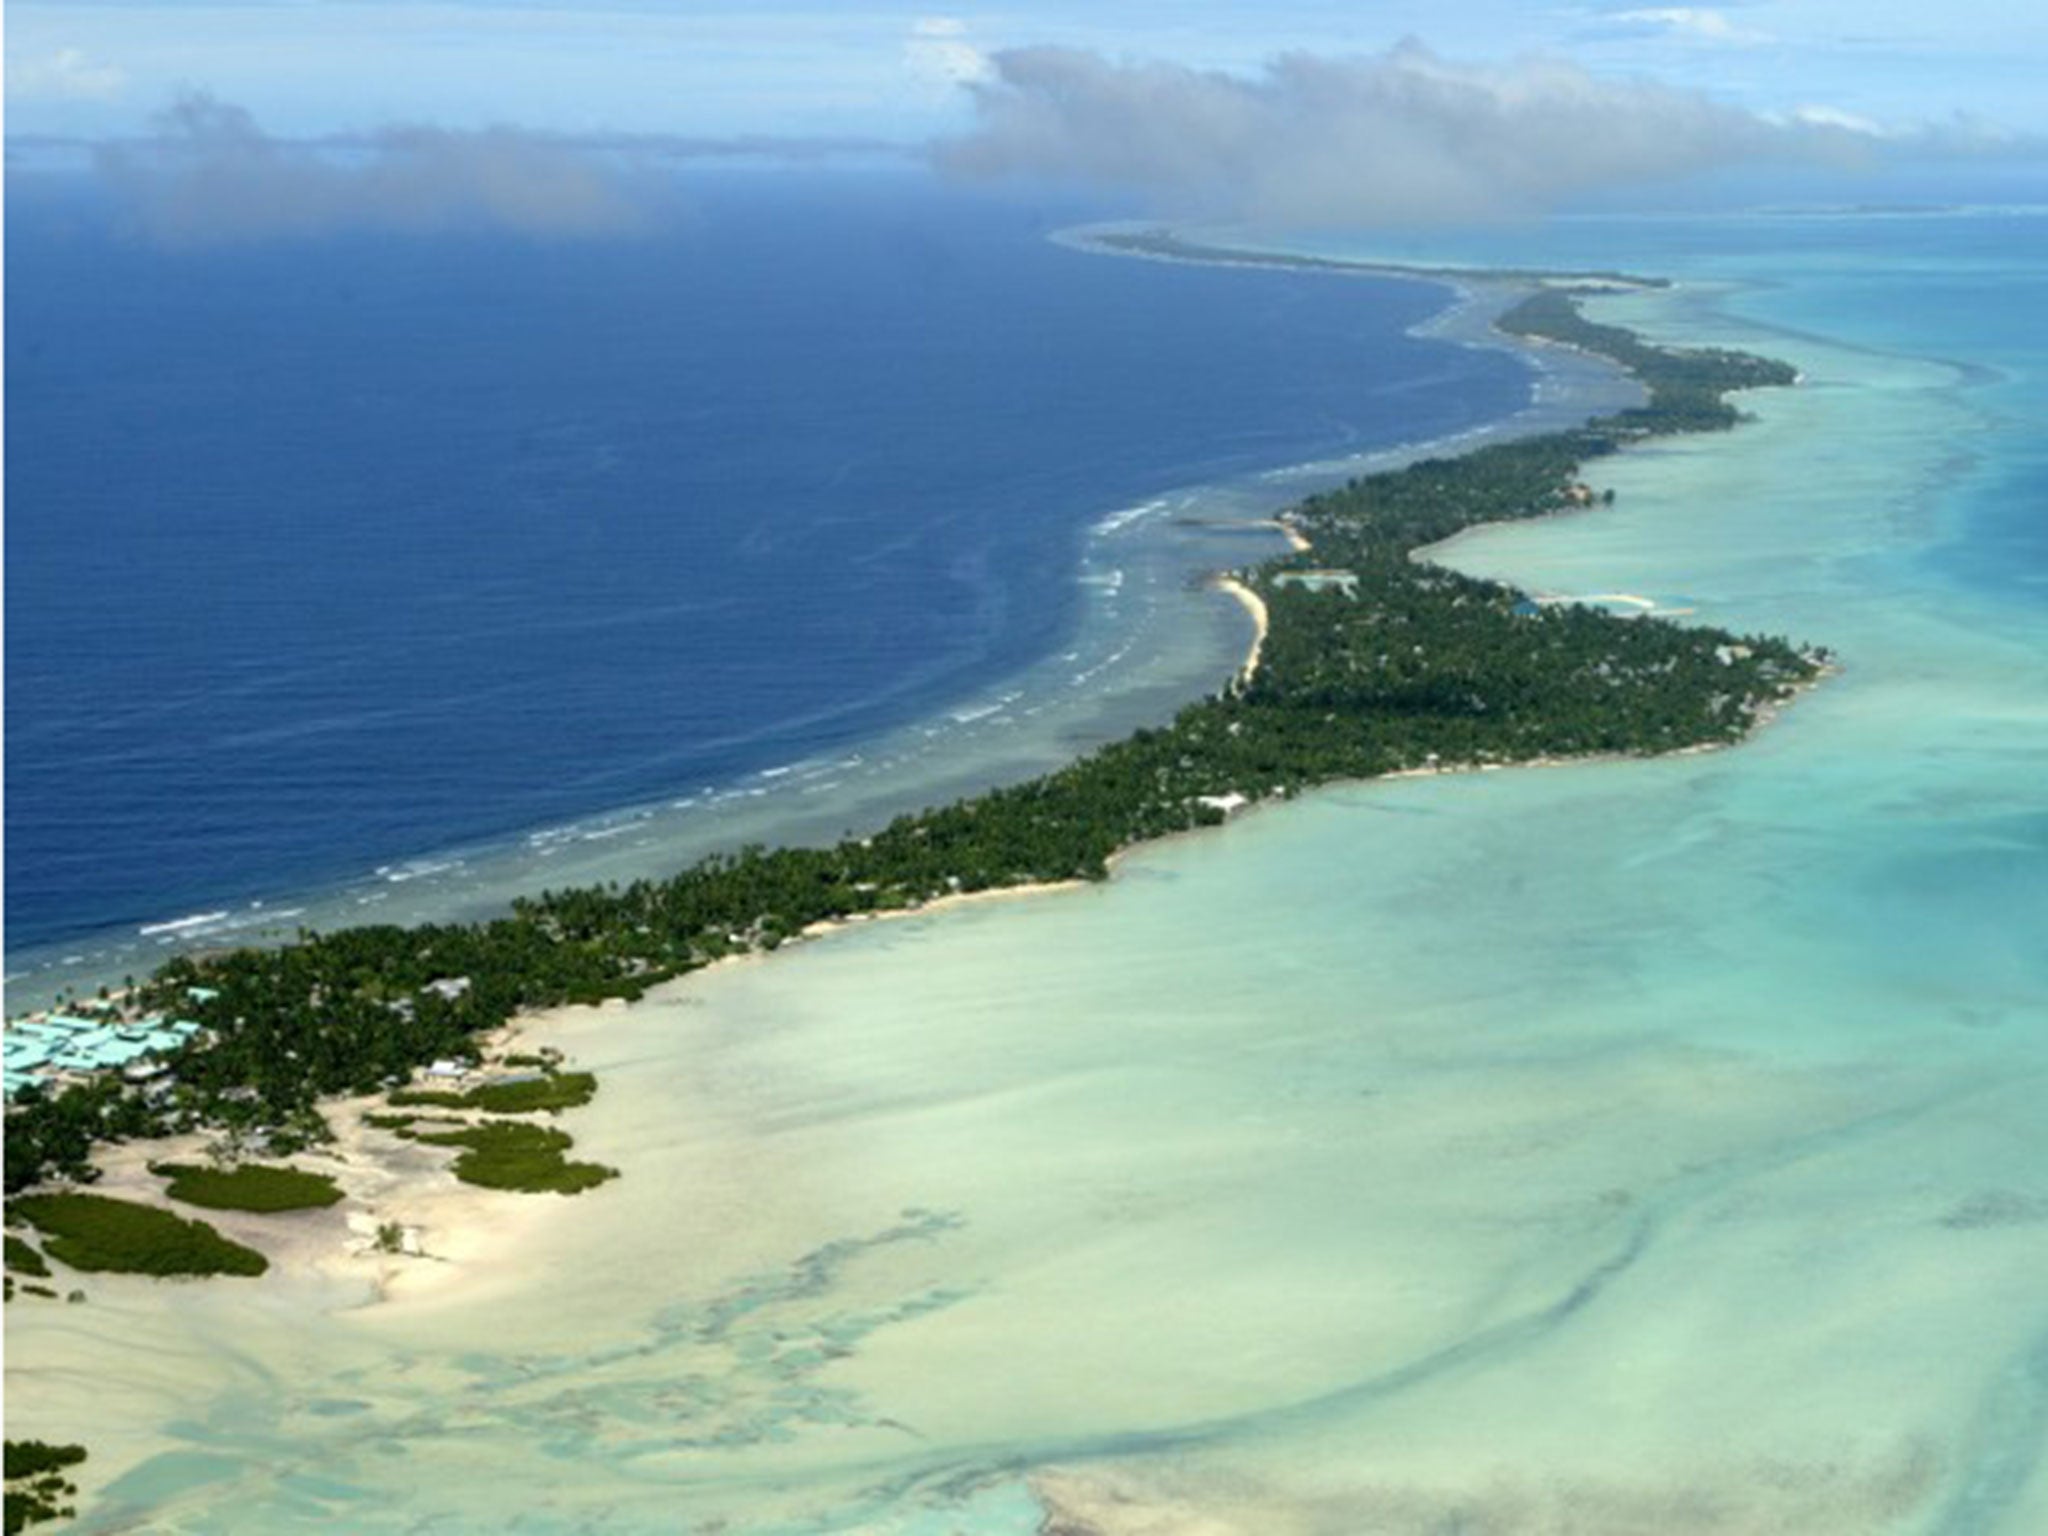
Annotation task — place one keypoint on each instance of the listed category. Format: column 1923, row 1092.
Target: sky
column 98, row 68
column 1295, row 113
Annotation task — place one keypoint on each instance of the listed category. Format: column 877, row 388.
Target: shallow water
column 1623, row 1147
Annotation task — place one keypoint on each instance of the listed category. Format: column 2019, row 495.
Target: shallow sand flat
column 1276, row 1245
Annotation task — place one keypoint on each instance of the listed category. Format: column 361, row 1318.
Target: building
column 1320, row 581
column 51, row 1047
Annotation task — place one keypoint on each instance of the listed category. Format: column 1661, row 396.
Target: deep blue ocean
column 326, row 554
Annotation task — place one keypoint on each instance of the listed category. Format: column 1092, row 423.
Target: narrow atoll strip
column 1161, row 244
column 1369, row 661
column 1373, row 662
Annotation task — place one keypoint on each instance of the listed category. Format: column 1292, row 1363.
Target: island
column 1371, row 661
column 1171, row 245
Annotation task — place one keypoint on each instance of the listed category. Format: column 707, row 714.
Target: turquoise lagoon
column 1616, row 1148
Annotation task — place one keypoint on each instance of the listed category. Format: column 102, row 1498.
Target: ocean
column 354, row 578
column 1621, row 1147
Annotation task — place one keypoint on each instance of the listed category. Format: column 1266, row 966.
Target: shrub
column 510, row 1155
column 36, row 1485
column 439, row 1098
column 250, row 1187
column 22, row 1257
column 98, row 1232
column 32, row 1458
column 553, row 1092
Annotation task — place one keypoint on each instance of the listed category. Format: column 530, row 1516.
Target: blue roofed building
column 53, row 1047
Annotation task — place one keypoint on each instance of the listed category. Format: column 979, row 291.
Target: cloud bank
column 1402, row 137
column 937, row 52
column 213, row 177
column 1691, row 23
column 63, row 74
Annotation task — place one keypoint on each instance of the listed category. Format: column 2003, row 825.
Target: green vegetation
column 95, row 1232
column 437, row 1098
column 32, row 1458
column 1686, row 384
column 501, row 1154
column 37, row 1489
column 1413, row 666
column 22, row 1257
column 54, row 1133
column 402, row 1126
column 250, row 1187
column 504, row 1154
column 553, row 1092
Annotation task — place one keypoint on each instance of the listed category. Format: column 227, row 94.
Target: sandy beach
column 1254, row 605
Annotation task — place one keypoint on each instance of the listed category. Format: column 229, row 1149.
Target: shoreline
column 456, row 1232
column 463, row 882
column 1479, row 298
column 1254, row 605
column 1319, row 1174
column 1257, row 609
column 487, row 1226
column 1145, row 241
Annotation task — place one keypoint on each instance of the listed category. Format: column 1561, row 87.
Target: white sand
column 1254, row 605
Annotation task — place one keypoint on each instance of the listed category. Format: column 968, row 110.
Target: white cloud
column 1835, row 117
column 212, row 177
column 64, row 74
column 1697, row 23
column 1403, row 137
column 938, row 55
